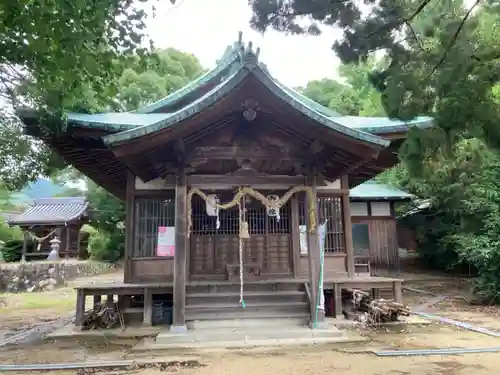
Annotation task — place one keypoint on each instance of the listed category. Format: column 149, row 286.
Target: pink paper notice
column 166, row 242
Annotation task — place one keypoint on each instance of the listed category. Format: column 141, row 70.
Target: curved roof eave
column 302, row 106
column 191, row 109
column 384, row 125
column 194, row 85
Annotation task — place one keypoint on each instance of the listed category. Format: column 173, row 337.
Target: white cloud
column 206, row 28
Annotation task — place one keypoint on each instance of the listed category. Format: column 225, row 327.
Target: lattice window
column 151, row 213
column 329, row 208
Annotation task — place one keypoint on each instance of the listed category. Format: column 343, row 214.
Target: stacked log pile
column 102, row 316
column 364, row 308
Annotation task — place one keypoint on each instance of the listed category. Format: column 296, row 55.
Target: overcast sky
column 206, row 27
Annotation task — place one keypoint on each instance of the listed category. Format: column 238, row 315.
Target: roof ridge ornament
column 247, row 55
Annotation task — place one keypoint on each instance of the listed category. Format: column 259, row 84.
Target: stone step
column 250, row 297
column 248, row 313
column 154, row 347
column 245, row 335
column 233, row 322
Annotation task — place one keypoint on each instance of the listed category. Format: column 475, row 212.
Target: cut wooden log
column 377, row 310
column 101, row 316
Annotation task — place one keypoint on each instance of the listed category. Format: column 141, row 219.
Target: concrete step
column 245, row 335
column 289, row 296
column 248, row 313
column 151, row 346
column 232, row 322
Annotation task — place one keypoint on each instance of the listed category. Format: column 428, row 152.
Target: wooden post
column 180, row 257
column 148, row 308
column 397, row 288
column 346, row 213
column 313, row 255
column 68, row 240
column 129, row 227
column 337, row 295
column 97, row 299
column 80, row 307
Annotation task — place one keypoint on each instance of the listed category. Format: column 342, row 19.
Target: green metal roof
column 237, row 62
column 373, row 190
column 384, row 125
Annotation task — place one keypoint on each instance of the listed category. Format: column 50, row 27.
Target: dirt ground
column 338, row 359
column 23, row 310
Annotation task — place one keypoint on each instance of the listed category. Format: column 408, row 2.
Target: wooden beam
column 241, row 152
column 180, row 257
column 346, row 213
column 228, row 180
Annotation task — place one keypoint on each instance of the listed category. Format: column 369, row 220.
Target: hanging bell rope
column 244, row 191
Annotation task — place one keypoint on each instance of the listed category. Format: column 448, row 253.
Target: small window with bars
column 329, row 208
column 151, row 213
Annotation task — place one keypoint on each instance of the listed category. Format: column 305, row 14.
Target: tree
column 144, row 80
column 354, row 97
column 439, row 53
column 66, row 48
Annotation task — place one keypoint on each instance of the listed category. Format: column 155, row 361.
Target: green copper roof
column 223, row 66
column 373, row 190
column 384, row 125
column 237, row 62
column 193, row 108
column 235, row 66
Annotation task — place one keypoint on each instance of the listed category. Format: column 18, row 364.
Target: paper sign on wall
column 166, row 242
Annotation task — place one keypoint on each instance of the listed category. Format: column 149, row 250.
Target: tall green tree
column 353, row 94
column 143, row 80
column 439, row 53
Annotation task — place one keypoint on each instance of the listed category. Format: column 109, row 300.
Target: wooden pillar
column 80, row 307
column 180, row 257
column 346, row 213
column 68, row 241
column 337, row 295
column 313, row 255
column 397, row 288
column 129, row 227
column 147, row 317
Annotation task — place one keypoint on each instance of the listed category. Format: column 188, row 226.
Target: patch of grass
column 58, row 300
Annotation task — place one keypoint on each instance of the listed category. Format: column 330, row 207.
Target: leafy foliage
column 441, row 60
column 354, row 97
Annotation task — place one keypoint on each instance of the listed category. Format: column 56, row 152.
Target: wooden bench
column 373, row 283
column 251, row 271
column 123, row 291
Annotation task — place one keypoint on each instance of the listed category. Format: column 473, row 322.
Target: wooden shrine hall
column 227, row 182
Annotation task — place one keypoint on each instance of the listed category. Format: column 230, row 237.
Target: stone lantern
column 55, row 245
